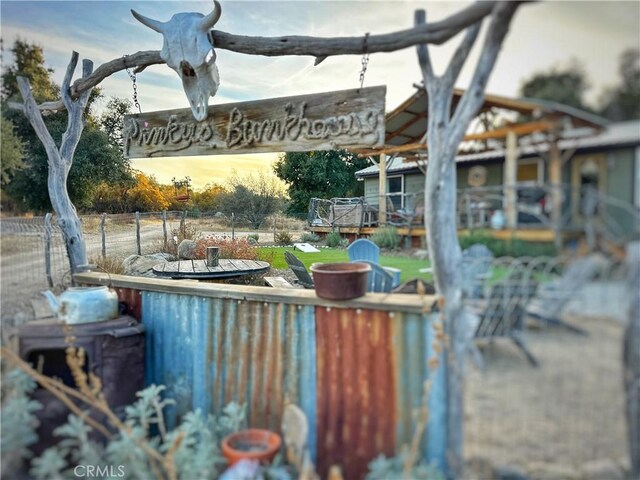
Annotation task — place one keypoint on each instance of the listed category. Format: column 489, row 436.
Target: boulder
column 142, row 265
column 603, row 468
column 187, row 250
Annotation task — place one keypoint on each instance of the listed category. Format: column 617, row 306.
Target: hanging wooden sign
column 324, row 121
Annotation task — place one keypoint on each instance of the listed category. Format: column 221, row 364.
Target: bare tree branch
column 472, row 99
column 420, row 18
column 76, row 108
column 321, row 48
column 460, row 56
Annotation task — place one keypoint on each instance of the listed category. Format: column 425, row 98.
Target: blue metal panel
column 413, row 338
column 209, row 351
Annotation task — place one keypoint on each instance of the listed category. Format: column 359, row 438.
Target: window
column 395, row 189
column 530, row 171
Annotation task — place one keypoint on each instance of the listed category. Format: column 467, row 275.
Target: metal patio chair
column 298, row 268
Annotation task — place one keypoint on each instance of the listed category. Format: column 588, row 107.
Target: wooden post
column 60, row 158
column 138, row 233
column 164, row 228
column 104, row 235
column 631, row 356
column 382, row 207
column 47, row 248
column 274, row 228
column 509, row 181
column 555, row 179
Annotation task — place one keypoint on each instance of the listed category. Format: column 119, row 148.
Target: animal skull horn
column 188, row 50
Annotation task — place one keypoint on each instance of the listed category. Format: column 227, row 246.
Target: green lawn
column 409, row 266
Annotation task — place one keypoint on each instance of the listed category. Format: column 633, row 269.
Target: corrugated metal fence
column 357, row 373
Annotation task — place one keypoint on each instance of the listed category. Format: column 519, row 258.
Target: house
column 549, row 178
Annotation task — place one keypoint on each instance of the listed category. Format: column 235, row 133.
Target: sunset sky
column 542, row 35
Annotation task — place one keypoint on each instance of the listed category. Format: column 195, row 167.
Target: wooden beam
column 416, row 118
column 519, row 129
column 371, row 301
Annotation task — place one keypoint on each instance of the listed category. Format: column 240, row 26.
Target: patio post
column 510, row 177
column 382, row 207
column 555, row 178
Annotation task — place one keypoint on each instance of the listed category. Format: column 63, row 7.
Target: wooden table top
column 198, row 269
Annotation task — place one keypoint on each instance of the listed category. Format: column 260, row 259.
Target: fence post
column 182, row 220
column 274, row 228
column 138, row 233
column 233, row 226
column 47, row 248
column 104, row 235
column 164, row 228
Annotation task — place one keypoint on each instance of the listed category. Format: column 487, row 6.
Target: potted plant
column 252, row 444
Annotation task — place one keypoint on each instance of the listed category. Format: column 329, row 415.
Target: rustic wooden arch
column 444, row 134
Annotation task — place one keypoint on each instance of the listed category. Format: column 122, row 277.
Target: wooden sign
column 344, row 119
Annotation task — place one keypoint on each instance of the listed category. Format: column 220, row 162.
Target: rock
column 142, row 265
column 411, row 286
column 604, row 468
column 187, row 250
column 509, row 472
column 552, row 471
column 421, row 254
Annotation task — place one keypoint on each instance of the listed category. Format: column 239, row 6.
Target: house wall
column 620, row 180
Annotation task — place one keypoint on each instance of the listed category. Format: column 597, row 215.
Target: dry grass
column 567, row 412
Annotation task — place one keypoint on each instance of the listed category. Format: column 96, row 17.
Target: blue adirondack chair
column 363, row 249
column 378, row 279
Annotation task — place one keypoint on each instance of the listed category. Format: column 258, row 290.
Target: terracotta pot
column 340, row 281
column 252, row 444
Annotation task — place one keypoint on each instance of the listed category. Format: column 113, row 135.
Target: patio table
column 198, row 269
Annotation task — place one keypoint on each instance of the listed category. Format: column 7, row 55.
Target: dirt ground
column 564, row 419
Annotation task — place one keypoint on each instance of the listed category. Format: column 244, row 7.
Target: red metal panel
column 133, row 299
column 356, row 389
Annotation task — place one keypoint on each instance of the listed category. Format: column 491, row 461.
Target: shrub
column 333, row 239
column 386, row 237
column 506, row 248
column 283, row 238
column 108, row 264
column 238, row 248
column 254, row 236
column 309, row 237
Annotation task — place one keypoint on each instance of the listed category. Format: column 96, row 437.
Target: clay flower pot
column 340, row 281
column 252, row 444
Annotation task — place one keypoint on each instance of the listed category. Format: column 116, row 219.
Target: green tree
column 12, row 151
column 29, row 62
column 96, row 159
column 253, row 197
column 208, row 198
column 566, row 85
column 324, row 174
column 111, row 119
column 623, row 102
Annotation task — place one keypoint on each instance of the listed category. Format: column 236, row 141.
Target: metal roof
column 614, row 135
column 408, row 122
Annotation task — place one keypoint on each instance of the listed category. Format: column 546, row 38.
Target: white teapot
column 84, row 304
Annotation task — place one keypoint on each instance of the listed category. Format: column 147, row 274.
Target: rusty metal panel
column 413, row 345
column 356, row 401
column 132, row 299
column 210, row 351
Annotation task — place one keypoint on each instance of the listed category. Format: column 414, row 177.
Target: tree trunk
column 632, row 359
column 60, row 160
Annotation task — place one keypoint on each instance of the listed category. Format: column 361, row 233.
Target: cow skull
column 188, row 50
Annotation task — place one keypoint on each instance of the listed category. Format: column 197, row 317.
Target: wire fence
column 33, row 255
